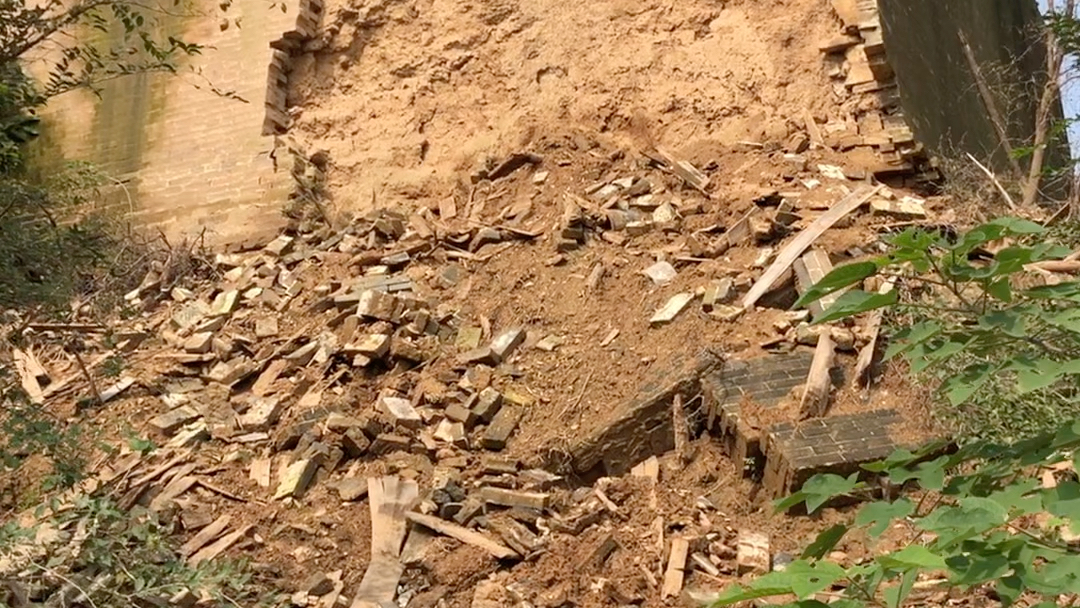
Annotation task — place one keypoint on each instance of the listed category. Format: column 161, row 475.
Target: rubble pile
column 563, row 385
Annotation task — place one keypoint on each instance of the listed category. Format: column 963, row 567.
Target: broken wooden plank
column 673, row 576
column 24, row 365
column 389, row 498
column 464, row 535
column 817, row 141
column 205, row 536
column 873, row 329
column 815, row 397
column 686, row 171
column 213, row 550
column 802, row 242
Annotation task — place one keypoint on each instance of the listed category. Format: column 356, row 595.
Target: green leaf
column 977, row 567
column 1063, row 500
column 820, row 489
column 912, row 556
column 783, row 504
column 839, row 278
column 984, row 512
column 895, row 595
column 907, row 338
column 856, row 302
column 825, row 542
column 958, row 389
column 808, row 579
column 881, row 514
column 1009, row 322
column 1000, row 289
column 1043, row 373
column 762, row 587
column 1009, row 589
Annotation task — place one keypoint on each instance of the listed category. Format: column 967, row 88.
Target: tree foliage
column 976, row 322
column 46, row 253
column 997, row 516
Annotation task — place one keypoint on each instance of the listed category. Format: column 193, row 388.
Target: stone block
column 501, row 427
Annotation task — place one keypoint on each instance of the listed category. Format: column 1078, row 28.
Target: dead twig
column 581, row 395
column 994, row 180
column 991, row 106
column 86, row 372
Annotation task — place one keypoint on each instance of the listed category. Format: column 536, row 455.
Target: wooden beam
column 815, row 397
column 390, row 498
column 465, row 535
column 802, row 242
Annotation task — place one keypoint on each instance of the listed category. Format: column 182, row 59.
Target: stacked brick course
column 839, row 444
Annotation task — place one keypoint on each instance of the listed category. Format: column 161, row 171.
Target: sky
column 1070, row 98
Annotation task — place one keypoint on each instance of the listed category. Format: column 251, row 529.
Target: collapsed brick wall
column 643, row 426
column 871, row 119
column 839, row 444
column 189, row 150
column 308, row 19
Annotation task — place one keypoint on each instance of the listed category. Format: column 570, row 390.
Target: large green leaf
column 1063, row 500
column 824, row 542
column 839, row 278
column 856, row 302
column 912, row 336
column 912, row 556
column 820, row 489
column 978, row 566
column 958, row 389
column 878, row 515
column 808, row 578
column 1009, row 322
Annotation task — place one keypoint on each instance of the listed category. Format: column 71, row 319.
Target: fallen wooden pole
column 802, row 242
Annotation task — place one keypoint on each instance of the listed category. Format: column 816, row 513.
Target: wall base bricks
column 839, row 444
column 766, row 381
column 642, row 427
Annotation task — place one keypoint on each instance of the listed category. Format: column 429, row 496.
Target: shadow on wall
column 939, row 91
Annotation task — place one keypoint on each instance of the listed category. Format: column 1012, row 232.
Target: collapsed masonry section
column 786, row 453
column 308, row 19
column 839, row 444
column 871, row 120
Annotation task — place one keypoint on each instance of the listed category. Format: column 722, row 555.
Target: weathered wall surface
column 192, row 159
column 938, row 89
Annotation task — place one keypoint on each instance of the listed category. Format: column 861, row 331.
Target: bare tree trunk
column 1050, row 94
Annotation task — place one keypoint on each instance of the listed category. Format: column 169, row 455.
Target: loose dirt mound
column 418, row 107
column 405, row 95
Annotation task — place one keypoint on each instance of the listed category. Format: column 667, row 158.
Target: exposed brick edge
column 642, row 427
column 837, row 444
column 766, row 380
column 308, row 19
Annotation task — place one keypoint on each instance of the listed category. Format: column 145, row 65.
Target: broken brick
column 401, row 411
column 488, row 404
column 501, row 427
column 170, row 421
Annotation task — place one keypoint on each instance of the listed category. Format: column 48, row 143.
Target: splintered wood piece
column 673, row 577
column 211, row 551
column 390, row 498
column 463, row 534
column 205, row 536
column 815, row 397
column 796, row 247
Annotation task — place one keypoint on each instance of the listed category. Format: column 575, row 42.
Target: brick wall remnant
column 642, row 427
column 766, row 381
column 839, row 444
